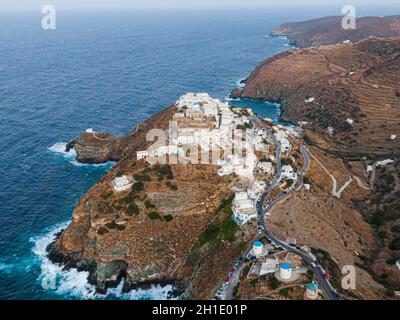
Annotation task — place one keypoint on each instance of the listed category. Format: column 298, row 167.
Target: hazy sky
column 88, row 4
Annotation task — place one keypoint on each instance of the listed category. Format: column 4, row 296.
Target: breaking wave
column 239, row 83
column 59, row 148
column 73, row 284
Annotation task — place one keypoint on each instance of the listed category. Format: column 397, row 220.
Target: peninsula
column 224, row 204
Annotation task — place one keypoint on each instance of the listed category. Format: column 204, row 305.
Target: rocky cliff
column 100, row 147
column 328, row 30
column 349, row 93
column 163, row 230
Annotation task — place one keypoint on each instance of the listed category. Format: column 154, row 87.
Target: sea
column 107, row 70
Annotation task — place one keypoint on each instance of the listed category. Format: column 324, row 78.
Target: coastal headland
column 149, row 220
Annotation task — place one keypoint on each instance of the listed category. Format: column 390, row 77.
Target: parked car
column 313, row 265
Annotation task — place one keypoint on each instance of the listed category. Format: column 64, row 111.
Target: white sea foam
column 73, row 284
column 59, row 147
column 106, row 165
column 239, row 83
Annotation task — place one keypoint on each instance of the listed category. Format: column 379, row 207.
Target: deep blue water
column 108, row 71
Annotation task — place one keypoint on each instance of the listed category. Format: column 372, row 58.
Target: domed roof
column 312, row 286
column 286, row 266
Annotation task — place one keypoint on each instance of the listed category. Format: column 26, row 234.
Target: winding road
column 264, row 231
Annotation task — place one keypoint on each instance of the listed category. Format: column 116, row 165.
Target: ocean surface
column 107, row 71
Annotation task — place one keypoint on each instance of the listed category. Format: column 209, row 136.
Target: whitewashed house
column 265, row 167
column 243, row 208
column 288, row 173
column 121, row 184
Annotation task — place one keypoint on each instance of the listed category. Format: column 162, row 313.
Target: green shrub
column 146, row 170
column 253, row 282
column 284, row 292
column 398, row 93
column 102, row 231
column 173, row 187
column 132, row 209
column 273, row 282
column 248, row 125
column 112, row 225
column 129, row 198
column 165, row 170
column 308, row 140
column 143, row 177
column 154, row 215
column 138, row 186
column 287, row 161
column 106, row 195
column 306, row 180
column 391, row 261
column 381, row 234
column 395, row 244
column 168, row 217
column 148, row 204
column 210, row 233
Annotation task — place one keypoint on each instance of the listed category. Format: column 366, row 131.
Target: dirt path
column 334, row 191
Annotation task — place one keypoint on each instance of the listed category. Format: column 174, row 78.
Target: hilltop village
column 224, row 204
column 203, row 186
column 206, row 130
column 266, row 159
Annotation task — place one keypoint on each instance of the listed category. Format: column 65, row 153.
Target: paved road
column 264, row 231
column 233, row 283
column 262, row 218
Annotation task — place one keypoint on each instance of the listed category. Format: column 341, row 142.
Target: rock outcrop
column 101, row 147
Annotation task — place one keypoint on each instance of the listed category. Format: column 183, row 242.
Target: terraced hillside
column 356, row 91
column 328, row 30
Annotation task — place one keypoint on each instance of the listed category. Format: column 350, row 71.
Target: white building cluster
column 244, row 202
column 281, row 134
column 265, row 167
column 243, row 208
column 210, row 124
column 226, row 133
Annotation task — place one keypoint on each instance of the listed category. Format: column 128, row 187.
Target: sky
column 105, row 4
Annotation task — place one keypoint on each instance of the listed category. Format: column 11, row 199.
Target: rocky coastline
column 113, row 238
